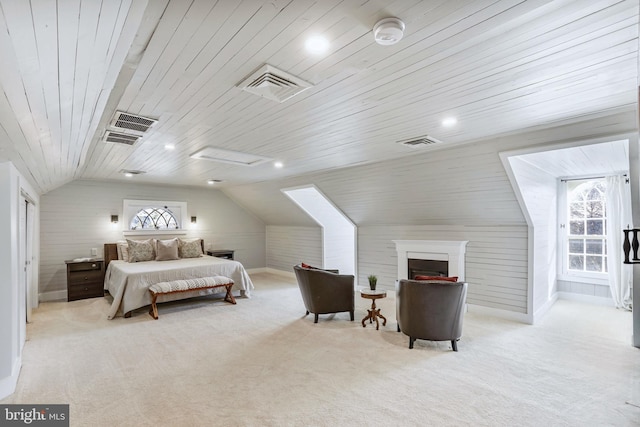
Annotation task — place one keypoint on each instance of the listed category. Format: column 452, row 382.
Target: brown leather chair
column 431, row 310
column 325, row 291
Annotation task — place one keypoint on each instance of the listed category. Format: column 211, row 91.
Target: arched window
column 587, row 251
column 154, row 219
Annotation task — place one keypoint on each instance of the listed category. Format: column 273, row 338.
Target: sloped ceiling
column 465, row 184
column 497, row 65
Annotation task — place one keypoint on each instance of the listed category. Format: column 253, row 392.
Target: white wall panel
column 76, row 218
column 495, row 262
column 540, row 195
column 12, row 285
column 288, row 246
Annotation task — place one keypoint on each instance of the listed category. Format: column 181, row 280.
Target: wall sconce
column 193, row 220
column 114, row 219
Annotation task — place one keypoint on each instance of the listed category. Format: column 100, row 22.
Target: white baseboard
column 52, row 296
column 8, row 384
column 289, row 274
column 589, row 299
column 256, row 270
column 503, row 314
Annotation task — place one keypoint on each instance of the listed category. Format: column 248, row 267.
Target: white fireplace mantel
column 441, row 250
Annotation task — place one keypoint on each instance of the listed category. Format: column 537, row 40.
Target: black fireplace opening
column 427, row 267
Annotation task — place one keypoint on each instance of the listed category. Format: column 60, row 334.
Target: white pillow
column 123, row 250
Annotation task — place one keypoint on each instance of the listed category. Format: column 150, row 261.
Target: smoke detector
column 388, row 31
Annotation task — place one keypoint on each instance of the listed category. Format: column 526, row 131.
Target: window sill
column 154, row 232
column 584, row 279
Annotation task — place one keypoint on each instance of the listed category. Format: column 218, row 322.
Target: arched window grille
column 154, row 219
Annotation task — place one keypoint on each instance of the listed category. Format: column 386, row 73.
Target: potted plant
column 373, row 280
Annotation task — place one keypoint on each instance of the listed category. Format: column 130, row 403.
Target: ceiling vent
column 272, row 83
column 420, row 141
column 120, row 138
column 131, row 122
column 227, row 156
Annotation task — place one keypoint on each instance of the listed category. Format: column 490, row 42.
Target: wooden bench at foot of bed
column 187, row 285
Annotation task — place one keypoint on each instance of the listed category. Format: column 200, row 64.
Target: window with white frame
column 153, row 216
column 585, row 225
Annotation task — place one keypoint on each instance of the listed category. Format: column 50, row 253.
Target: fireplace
column 426, row 267
column 439, row 252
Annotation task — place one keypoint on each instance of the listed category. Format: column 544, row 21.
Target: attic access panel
column 228, row 156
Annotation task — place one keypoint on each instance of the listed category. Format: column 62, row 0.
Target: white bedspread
column 129, row 283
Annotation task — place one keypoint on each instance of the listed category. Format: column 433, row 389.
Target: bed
column 129, row 283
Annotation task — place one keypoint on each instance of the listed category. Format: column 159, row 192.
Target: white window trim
column 131, row 207
column 563, row 234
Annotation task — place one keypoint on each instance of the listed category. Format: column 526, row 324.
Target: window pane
column 594, row 194
column 576, row 195
column 576, row 246
column 576, row 228
column 154, row 218
column 594, row 263
column 594, row 246
column 594, row 210
column 595, row 227
column 576, row 210
column 576, row 262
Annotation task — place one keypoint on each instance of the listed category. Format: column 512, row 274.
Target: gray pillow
column 167, row 250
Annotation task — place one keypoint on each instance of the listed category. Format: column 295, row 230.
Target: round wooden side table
column 374, row 313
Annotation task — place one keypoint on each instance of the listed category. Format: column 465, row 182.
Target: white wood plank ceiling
column 496, row 65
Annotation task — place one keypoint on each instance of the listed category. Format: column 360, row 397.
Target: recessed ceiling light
column 211, row 181
column 316, row 45
column 169, row 146
column 449, row 121
column 278, row 165
column 128, row 174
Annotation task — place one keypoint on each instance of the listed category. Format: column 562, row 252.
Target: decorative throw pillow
column 309, row 267
column 123, row 250
column 438, row 278
column 141, row 250
column 190, row 248
column 167, row 250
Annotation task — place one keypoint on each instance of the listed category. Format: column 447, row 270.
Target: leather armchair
column 325, row 291
column 431, row 310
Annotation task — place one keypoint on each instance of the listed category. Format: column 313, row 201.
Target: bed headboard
column 111, row 252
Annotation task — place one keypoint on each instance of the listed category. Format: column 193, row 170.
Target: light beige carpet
column 262, row 363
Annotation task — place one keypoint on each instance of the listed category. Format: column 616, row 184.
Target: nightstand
column 85, row 279
column 221, row 253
